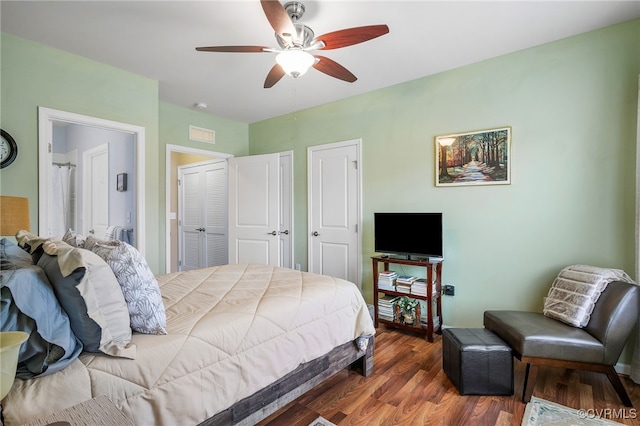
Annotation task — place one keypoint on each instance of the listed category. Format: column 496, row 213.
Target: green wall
column 232, row 137
column 572, row 106
column 34, row 75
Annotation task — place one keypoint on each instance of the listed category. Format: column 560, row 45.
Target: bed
column 241, row 341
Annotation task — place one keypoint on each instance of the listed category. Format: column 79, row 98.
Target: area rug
column 321, row 421
column 542, row 412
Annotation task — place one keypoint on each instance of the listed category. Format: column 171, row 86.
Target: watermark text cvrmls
column 608, row 413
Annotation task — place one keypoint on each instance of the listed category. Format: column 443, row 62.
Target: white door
column 334, row 210
column 285, row 229
column 202, row 211
column 95, row 192
column 254, row 206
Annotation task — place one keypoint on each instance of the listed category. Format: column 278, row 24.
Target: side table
column 98, row 411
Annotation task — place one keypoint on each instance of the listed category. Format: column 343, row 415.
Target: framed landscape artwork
column 474, row 158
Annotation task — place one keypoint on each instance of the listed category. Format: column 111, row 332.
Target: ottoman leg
column 529, row 381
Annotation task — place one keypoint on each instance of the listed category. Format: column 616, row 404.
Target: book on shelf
column 419, row 288
column 387, row 280
column 403, row 288
column 387, row 300
column 386, row 285
column 386, row 306
column 406, row 279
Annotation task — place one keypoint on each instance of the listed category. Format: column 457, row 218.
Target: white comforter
column 232, row 330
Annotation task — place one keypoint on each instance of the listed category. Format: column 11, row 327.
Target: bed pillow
column 32, row 243
column 138, row 284
column 28, row 303
column 72, row 238
column 10, row 252
column 576, row 290
column 90, row 294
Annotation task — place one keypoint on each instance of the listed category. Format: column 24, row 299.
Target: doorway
column 202, row 215
column 48, row 121
column 261, row 209
column 176, row 156
column 285, row 193
column 334, row 207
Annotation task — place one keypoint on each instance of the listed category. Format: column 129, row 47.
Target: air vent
column 202, row 135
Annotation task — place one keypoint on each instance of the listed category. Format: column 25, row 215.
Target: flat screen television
column 412, row 235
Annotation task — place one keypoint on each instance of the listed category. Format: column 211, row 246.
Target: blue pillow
column 10, row 253
column 27, row 303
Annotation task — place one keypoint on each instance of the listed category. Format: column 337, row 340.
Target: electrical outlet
column 449, row 290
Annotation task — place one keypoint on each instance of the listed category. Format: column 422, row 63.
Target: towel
column 119, row 233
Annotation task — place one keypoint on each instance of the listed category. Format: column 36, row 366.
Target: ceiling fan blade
column 351, row 36
column 278, row 18
column 240, row 49
column 334, row 69
column 274, row 76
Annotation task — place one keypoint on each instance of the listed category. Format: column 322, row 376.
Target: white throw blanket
column 576, row 290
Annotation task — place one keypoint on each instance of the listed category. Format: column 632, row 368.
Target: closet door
column 202, row 211
column 254, row 208
column 334, row 210
column 215, row 214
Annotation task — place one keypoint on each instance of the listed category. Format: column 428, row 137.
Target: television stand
column 412, row 258
column 433, row 278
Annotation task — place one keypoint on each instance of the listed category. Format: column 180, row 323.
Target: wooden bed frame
column 267, row 401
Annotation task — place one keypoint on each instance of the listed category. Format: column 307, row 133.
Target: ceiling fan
column 295, row 40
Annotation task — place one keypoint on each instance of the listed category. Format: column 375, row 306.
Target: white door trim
column 310, row 150
column 46, row 117
column 170, row 148
column 290, row 252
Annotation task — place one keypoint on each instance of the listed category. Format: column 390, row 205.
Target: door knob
column 200, row 229
column 91, row 231
column 285, row 232
column 315, row 233
column 272, row 233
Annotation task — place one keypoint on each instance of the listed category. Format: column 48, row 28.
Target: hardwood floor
column 409, row 387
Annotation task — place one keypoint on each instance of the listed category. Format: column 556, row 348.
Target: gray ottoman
column 477, row 361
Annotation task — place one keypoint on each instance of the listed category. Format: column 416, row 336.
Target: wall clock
column 8, row 149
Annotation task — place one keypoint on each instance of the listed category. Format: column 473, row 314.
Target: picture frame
column 481, row 157
column 121, row 182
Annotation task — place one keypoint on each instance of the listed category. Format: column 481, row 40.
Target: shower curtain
column 60, row 200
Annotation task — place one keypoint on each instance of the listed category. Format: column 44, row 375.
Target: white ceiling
column 157, row 39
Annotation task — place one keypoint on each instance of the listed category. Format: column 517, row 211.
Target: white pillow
column 90, row 294
column 139, row 286
column 576, row 290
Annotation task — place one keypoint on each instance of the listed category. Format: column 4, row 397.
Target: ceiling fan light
column 295, row 62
